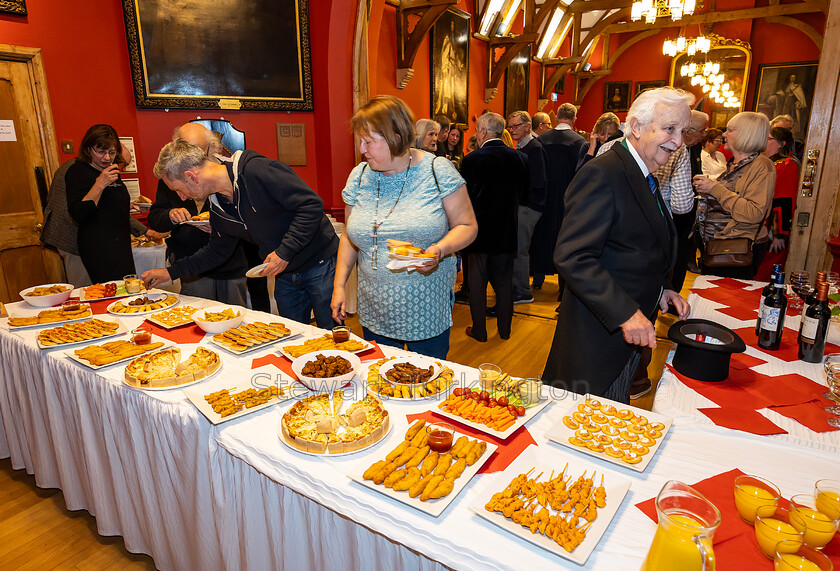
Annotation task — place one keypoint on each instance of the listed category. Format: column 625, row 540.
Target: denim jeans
column 299, row 294
column 436, row 347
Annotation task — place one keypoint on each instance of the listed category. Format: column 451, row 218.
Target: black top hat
column 704, row 348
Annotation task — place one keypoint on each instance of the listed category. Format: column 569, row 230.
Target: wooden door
column 818, row 215
column 27, row 154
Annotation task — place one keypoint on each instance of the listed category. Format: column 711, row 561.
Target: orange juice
column 770, row 531
column 829, row 504
column 791, row 562
column 819, row 528
column 752, row 500
column 673, row 546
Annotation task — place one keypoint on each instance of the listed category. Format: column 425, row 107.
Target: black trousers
column 685, row 246
column 498, row 270
column 257, row 287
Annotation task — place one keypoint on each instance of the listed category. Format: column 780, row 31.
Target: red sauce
column 142, row 338
column 341, row 335
column 440, row 440
column 71, row 305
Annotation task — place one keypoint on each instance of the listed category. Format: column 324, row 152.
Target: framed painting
column 645, row 85
column 517, row 77
column 193, row 55
column 617, row 96
column 16, row 7
column 450, row 47
column 787, row 89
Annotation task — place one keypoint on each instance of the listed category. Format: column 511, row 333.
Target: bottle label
column 808, row 332
column 761, row 307
column 770, row 318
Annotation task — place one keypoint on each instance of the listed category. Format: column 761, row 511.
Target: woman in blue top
column 403, row 194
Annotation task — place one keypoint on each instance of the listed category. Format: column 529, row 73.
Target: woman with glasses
column 99, row 202
column 712, row 160
column 780, row 145
column 403, row 194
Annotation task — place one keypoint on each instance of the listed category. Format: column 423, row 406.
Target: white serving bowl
column 329, row 384
column 416, row 360
column 46, row 300
column 215, row 327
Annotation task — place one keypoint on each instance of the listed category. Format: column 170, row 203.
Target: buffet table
column 675, row 398
column 192, row 495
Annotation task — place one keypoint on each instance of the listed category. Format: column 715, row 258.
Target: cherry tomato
column 491, row 403
column 520, row 411
column 502, row 400
column 512, row 409
column 484, row 395
column 474, row 396
column 458, row 392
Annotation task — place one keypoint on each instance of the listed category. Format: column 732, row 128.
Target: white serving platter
column 152, row 295
column 197, row 398
column 616, row 488
column 365, row 374
column 560, row 433
column 120, row 283
column 293, row 332
column 520, row 421
column 418, row 361
column 432, row 507
column 153, row 318
column 155, row 339
column 181, row 386
column 48, row 325
column 118, row 331
column 281, row 347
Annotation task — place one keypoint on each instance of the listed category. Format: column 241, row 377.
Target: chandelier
column 691, row 46
column 711, row 81
column 650, row 10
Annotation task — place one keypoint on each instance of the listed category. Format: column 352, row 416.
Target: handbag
column 728, row 253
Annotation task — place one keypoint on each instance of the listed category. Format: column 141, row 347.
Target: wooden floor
column 37, row 532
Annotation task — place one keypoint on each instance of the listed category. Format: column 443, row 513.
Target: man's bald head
column 198, row 135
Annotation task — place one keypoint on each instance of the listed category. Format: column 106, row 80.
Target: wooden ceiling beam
column 809, row 31
column 590, row 5
column 712, row 17
column 408, row 42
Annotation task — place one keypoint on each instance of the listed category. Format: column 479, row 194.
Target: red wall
column 86, row 60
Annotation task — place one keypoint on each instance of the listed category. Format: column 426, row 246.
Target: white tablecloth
column 673, row 398
column 197, row 496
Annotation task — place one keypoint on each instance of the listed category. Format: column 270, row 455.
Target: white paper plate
column 155, row 339
column 560, row 433
column 255, row 271
column 197, row 223
column 120, row 283
column 197, row 398
column 126, row 383
column 152, row 295
column 432, row 507
column 520, row 421
column 615, row 486
column 118, row 331
column 281, row 348
column 404, row 258
column 48, row 325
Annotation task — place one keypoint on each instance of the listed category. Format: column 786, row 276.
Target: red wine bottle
column 814, row 328
column 812, row 297
column 767, row 290
column 773, row 316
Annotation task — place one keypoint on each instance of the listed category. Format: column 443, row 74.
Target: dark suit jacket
column 496, row 177
column 615, row 249
column 534, row 198
column 562, row 148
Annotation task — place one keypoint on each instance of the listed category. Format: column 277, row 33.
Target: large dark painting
column 248, row 54
column 450, row 41
column 787, row 89
column 617, row 96
column 516, row 82
column 17, row 7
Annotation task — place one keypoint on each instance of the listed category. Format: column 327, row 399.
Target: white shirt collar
column 524, row 141
column 563, row 126
column 492, row 139
column 638, row 158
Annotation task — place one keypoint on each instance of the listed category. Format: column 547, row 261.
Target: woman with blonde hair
column 403, row 194
column 737, row 204
column 606, row 128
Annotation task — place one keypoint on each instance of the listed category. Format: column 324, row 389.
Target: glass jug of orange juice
column 687, row 522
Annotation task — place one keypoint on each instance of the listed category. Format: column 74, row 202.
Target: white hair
column 643, row 109
column 423, row 127
column 493, row 122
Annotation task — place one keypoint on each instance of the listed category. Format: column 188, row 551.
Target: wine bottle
column 812, row 297
column 773, row 316
column 814, row 327
column 768, row 289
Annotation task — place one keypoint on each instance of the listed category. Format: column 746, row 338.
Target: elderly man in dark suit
column 615, row 250
column 497, row 176
column 562, row 145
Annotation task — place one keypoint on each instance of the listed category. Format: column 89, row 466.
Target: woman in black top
column 98, row 200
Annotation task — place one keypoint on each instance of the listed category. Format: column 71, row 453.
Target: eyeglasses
column 112, row 153
column 515, row 126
